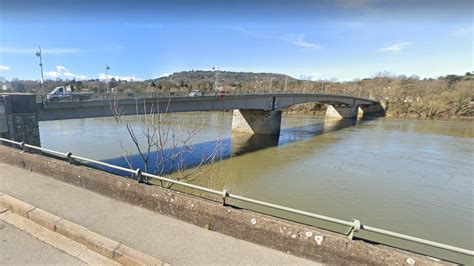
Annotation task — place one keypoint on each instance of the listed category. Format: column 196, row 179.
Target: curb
column 93, row 241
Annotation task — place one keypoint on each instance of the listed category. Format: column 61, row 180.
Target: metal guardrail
column 353, row 226
column 143, row 95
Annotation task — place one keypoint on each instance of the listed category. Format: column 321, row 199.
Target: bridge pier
column 342, row 112
column 257, row 121
column 373, row 110
column 19, row 118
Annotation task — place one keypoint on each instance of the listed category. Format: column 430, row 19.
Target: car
column 195, row 93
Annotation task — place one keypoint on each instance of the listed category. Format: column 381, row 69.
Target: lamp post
column 107, row 77
column 38, row 54
column 216, row 80
column 271, row 84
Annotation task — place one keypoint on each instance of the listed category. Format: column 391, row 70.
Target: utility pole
column 286, row 82
column 38, row 54
column 216, row 80
column 107, row 77
column 271, row 84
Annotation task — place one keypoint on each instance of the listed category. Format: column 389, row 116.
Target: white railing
column 353, row 226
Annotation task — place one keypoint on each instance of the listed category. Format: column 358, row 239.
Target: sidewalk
column 18, row 247
column 176, row 242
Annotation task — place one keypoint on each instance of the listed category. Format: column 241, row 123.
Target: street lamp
column 38, row 54
column 216, row 80
column 107, row 77
column 271, row 84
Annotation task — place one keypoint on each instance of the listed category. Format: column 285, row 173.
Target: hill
column 226, row 77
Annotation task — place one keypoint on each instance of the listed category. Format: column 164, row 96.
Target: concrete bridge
column 253, row 113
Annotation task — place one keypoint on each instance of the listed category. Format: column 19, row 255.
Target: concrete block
column 43, row 218
column 15, row 205
column 96, row 242
column 257, row 122
column 129, row 256
column 341, row 112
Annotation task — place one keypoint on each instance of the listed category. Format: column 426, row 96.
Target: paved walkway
column 174, row 241
column 18, row 247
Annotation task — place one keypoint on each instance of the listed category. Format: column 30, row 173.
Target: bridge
column 253, row 113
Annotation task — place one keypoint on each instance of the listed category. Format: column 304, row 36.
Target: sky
column 341, row 39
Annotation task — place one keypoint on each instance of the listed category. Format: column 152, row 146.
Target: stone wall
column 19, row 118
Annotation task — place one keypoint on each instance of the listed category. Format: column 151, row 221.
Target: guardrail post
column 355, row 227
column 23, row 146
column 69, row 158
column 224, row 196
column 138, row 175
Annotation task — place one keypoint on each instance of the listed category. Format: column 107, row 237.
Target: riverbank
column 316, row 109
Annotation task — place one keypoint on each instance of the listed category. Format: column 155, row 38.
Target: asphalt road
column 171, row 240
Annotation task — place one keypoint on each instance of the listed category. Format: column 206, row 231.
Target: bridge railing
column 354, row 225
column 143, row 95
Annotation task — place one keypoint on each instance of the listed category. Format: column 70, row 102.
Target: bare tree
column 170, row 143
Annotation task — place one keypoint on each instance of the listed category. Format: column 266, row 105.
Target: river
column 412, row 177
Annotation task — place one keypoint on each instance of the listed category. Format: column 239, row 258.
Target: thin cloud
column 50, row 51
column 295, row 39
column 353, row 3
column 300, row 41
column 4, row 68
column 395, row 48
column 144, row 25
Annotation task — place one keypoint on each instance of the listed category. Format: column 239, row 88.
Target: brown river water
column 412, row 177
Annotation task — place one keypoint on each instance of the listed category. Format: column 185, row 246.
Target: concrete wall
column 301, row 240
column 3, row 118
column 19, row 118
column 257, row 122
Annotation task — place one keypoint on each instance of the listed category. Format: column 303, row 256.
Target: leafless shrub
column 171, row 141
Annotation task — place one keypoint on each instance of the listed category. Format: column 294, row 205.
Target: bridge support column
column 341, row 112
column 373, row 110
column 19, row 118
column 257, row 122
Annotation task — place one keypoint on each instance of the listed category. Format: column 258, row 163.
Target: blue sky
column 344, row 39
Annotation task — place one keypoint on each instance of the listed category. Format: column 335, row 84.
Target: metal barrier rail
column 145, row 95
column 354, row 225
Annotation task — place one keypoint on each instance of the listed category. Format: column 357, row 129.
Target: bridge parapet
column 19, row 118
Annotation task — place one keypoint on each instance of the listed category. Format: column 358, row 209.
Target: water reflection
column 407, row 176
column 237, row 145
column 242, row 143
